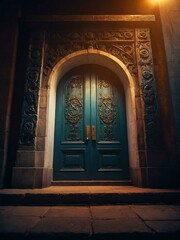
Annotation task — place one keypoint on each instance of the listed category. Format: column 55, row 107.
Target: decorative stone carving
column 128, row 45
column 30, row 105
column 28, row 129
column 147, row 83
column 125, row 52
column 118, row 43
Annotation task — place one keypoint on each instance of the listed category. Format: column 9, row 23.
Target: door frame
column 90, row 74
column 92, row 56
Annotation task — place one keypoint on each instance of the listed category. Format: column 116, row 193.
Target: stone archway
column 49, row 58
column 109, row 61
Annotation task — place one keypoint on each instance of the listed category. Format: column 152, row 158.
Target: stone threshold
column 88, row 195
column 92, row 183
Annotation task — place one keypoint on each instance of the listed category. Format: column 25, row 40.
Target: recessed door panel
column 90, row 128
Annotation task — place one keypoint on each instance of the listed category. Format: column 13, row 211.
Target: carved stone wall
column 118, row 43
column 131, row 46
column 147, row 85
column 30, row 105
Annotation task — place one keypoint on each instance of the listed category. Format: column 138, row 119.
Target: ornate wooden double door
column 90, row 128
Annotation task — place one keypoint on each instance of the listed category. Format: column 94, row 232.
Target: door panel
column 90, row 129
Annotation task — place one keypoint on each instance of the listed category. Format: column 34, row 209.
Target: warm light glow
column 158, row 1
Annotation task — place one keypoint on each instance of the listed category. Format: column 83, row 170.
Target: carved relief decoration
column 118, row 43
column 107, row 109
column 30, row 105
column 147, row 83
column 131, row 46
column 73, row 108
column 108, row 132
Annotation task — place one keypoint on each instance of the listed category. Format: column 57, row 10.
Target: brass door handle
column 94, row 133
column 88, row 133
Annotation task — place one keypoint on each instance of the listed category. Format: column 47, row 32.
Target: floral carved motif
column 107, row 109
column 145, row 61
column 73, row 108
column 30, row 105
column 118, row 43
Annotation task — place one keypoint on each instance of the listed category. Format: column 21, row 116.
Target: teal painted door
column 90, row 127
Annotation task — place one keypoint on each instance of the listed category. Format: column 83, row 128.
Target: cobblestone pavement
column 90, row 222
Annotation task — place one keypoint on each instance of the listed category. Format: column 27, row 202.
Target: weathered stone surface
column 15, row 224
column 63, row 225
column 70, row 222
column 29, row 211
column 126, row 225
column 40, row 143
column 157, row 212
column 41, row 129
column 112, row 212
column 70, row 212
column 164, row 226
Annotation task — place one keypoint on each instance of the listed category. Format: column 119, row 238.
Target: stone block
column 136, row 176
column 38, row 177
column 112, row 212
column 41, row 129
column 43, row 101
column 23, row 177
column 164, row 226
column 39, row 158
column 70, row 212
column 40, row 143
column 156, row 212
column 29, row 211
column 132, row 225
column 43, row 92
column 26, row 177
column 47, row 177
column 4, row 210
column 25, row 158
column 15, row 224
column 42, row 113
column 59, row 225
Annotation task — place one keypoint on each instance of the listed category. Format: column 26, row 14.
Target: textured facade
column 46, row 41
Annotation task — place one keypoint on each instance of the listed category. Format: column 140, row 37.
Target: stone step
column 88, row 195
column 93, row 183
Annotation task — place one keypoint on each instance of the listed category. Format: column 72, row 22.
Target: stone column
column 30, row 171
column 157, row 170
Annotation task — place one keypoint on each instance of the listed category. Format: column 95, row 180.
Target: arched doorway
column 92, row 56
column 90, row 129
